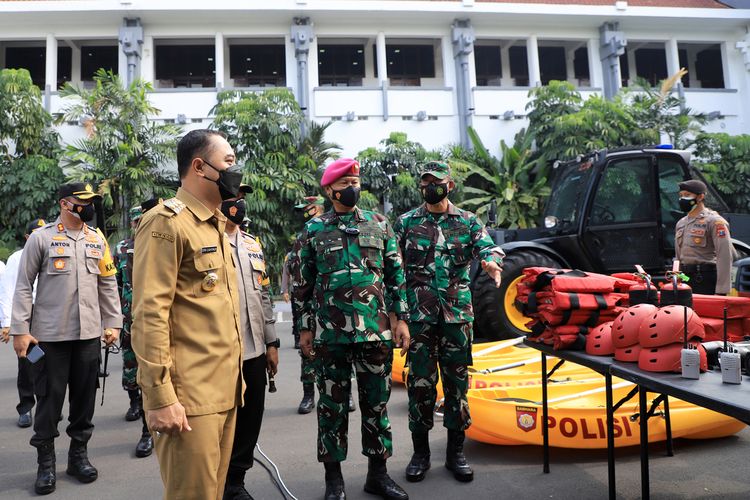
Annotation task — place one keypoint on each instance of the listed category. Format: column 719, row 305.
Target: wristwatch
column 403, row 316
column 276, row 343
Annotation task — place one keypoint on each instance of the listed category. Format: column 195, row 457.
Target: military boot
column 308, row 399
column 45, row 474
column 136, row 404
column 145, row 445
column 334, row 481
column 378, row 481
column 352, row 406
column 455, row 461
column 420, row 460
column 78, row 463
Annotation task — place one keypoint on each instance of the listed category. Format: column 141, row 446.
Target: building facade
column 425, row 67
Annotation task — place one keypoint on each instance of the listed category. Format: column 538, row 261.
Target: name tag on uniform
column 208, row 250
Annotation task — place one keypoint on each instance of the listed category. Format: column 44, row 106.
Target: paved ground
column 717, row 469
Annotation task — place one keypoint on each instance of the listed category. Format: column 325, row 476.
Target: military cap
column 693, row 186
column 80, row 190
column 34, row 225
column 310, row 200
column 343, row 167
column 437, row 169
column 246, row 188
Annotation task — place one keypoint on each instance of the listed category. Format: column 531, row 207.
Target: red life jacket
column 712, row 306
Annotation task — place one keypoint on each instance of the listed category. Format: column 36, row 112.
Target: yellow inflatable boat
column 577, row 417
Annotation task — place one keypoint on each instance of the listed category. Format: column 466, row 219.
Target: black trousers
column 25, row 384
column 703, row 282
column 71, row 365
column 249, row 419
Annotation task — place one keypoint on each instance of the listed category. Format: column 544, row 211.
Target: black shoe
column 379, row 483
column 46, row 478
column 455, row 461
column 79, row 465
column 236, row 492
column 420, row 460
column 308, row 399
column 334, row 482
column 145, row 445
column 352, row 407
column 24, row 419
column 134, row 412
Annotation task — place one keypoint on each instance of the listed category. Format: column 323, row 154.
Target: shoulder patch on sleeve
column 174, row 205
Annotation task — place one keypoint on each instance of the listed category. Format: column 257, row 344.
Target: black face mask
column 83, row 212
column 229, row 181
column 687, row 204
column 234, row 210
column 347, row 197
column 434, row 193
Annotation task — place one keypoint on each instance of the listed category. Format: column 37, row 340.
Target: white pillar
column 291, row 64
column 219, row 60
column 148, row 57
column 570, row 69
column 673, row 57
column 449, row 64
column 50, row 73
column 595, row 68
column 472, row 70
column 693, row 81
column 506, row 80
column 632, row 70
column 532, row 56
column 381, row 58
column 75, row 63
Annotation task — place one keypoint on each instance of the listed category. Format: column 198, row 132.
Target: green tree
column 126, row 153
column 725, row 161
column 516, row 183
column 29, row 156
column 280, row 162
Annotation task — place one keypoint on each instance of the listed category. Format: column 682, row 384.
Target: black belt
column 698, row 268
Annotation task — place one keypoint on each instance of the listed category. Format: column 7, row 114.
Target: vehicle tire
column 495, row 317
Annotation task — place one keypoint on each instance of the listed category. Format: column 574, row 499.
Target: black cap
column 693, row 186
column 149, row 204
column 80, row 190
column 34, row 225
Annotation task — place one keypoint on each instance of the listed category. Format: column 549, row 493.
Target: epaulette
column 174, row 205
column 251, row 236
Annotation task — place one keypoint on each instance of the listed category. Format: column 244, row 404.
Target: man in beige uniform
column 76, row 298
column 186, row 321
column 702, row 242
column 260, row 345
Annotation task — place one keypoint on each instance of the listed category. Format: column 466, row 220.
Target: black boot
column 334, row 481
column 420, row 460
column 136, row 404
column 145, row 445
column 78, row 463
column 352, row 407
column 308, row 399
column 45, row 474
column 378, row 481
column 455, row 461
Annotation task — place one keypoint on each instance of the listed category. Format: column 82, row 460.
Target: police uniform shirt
column 76, row 295
column 705, row 239
column 185, row 330
column 256, row 309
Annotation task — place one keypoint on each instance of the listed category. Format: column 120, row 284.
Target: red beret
column 338, row 169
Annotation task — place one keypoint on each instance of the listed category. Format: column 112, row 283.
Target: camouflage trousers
column 306, row 370
column 447, row 346
column 333, row 369
column 129, row 363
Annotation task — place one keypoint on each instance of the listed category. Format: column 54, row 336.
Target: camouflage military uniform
column 346, row 265
column 124, row 263
column 307, row 370
column 437, row 251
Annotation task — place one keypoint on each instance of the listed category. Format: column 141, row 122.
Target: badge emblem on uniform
column 233, row 210
column 60, row 250
column 209, row 282
column 60, row 228
column 697, row 241
column 59, row 264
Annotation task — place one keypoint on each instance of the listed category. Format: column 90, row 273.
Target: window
column 34, row 60
column 625, row 194
column 257, row 65
column 408, row 64
column 185, row 66
column 568, row 193
column 552, row 64
column 95, row 57
column 671, row 174
column 648, row 61
column 519, row 65
column 581, row 67
column 488, row 63
column 341, row 65
column 704, row 65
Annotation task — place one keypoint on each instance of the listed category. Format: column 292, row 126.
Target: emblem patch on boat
column 526, row 418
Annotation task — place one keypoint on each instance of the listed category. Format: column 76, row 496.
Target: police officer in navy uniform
column 702, row 242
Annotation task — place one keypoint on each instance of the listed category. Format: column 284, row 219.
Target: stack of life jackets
column 565, row 305
column 711, row 310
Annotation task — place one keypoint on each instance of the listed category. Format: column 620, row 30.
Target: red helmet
column 626, row 325
column 599, row 340
column 667, row 326
column 668, row 358
column 628, row 354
